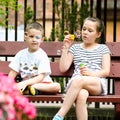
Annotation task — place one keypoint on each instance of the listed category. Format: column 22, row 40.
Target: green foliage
column 70, row 15
column 28, row 15
column 52, row 34
column 10, row 5
column 83, row 12
column 72, row 18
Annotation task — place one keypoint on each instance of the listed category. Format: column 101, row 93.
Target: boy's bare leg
column 47, row 87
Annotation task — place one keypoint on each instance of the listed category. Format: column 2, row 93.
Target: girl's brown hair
column 100, row 28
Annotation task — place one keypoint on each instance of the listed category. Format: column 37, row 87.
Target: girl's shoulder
column 76, row 45
column 104, row 46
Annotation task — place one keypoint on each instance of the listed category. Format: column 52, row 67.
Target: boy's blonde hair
column 35, row 25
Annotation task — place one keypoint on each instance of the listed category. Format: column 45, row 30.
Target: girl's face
column 33, row 38
column 89, row 32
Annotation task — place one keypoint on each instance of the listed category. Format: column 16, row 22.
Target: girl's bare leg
column 81, row 107
column 91, row 84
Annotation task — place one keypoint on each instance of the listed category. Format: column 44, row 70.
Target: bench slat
column 60, row 97
column 114, row 73
column 10, row 48
column 106, row 98
column 57, row 97
column 4, row 67
column 114, row 48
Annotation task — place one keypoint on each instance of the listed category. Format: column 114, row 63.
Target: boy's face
column 33, row 38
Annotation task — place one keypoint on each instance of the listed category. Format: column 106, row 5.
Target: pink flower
column 12, row 102
column 1, row 113
column 30, row 111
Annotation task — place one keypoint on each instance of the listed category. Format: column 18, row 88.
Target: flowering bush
column 13, row 105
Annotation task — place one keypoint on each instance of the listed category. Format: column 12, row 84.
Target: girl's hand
column 85, row 71
column 68, row 41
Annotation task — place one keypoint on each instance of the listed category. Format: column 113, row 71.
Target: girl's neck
column 89, row 46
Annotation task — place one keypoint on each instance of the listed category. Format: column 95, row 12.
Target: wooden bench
column 9, row 49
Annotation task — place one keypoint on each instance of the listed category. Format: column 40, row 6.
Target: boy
column 33, row 64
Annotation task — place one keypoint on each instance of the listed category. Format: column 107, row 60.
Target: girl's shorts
column 103, row 82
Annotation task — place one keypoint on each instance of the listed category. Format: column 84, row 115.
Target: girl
column 88, row 78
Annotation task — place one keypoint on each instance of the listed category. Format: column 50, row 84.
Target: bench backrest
column 53, row 49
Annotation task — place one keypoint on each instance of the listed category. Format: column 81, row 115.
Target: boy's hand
column 21, row 86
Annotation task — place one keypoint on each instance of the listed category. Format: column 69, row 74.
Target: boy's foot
column 20, row 91
column 57, row 117
column 25, row 91
column 34, row 91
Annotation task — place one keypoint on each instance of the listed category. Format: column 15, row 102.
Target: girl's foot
column 57, row 117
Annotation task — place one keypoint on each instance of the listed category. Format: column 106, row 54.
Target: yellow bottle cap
column 72, row 37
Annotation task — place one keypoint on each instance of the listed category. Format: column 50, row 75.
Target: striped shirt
column 90, row 58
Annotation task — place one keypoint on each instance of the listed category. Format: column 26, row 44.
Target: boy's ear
column 25, row 35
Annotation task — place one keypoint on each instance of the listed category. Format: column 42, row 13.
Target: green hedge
column 47, row 113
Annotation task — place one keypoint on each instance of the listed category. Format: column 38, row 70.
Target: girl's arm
column 65, row 60
column 66, row 57
column 104, row 72
column 105, row 66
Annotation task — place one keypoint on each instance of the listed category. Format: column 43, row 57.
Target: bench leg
column 117, row 112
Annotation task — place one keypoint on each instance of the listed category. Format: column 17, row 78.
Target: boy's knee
column 57, row 87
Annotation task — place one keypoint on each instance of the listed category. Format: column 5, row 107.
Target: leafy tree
column 70, row 15
column 6, row 5
column 29, row 15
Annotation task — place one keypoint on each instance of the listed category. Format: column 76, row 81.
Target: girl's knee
column 82, row 96
column 77, row 83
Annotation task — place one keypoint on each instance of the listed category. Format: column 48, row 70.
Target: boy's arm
column 12, row 74
column 22, row 85
column 36, row 79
